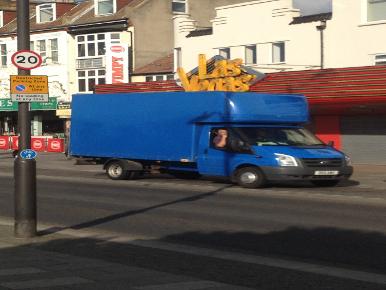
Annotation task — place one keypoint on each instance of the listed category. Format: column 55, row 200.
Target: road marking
column 20, row 271
column 31, row 284
column 192, row 285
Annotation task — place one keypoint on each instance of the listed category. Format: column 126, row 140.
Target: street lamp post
column 24, row 169
column 321, row 27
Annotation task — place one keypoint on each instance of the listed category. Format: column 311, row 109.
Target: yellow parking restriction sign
column 29, row 88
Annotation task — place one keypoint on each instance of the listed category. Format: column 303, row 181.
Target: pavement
column 54, row 260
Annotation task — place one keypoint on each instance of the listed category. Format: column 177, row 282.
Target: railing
column 40, row 144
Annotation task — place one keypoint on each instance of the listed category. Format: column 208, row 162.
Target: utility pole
column 24, row 169
column 321, row 27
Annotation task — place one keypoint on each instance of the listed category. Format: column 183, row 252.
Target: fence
column 40, row 144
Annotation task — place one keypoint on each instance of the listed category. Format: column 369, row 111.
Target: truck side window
column 219, row 138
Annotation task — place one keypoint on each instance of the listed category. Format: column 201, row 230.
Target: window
column 380, row 59
column 3, row 54
column 225, row 52
column 178, row 54
column 250, row 54
column 376, row 10
column 179, row 6
column 45, row 12
column 41, row 48
column 157, row 78
column 54, row 50
column 103, row 7
column 278, row 52
column 1, row 18
column 48, row 49
column 91, row 45
column 87, row 79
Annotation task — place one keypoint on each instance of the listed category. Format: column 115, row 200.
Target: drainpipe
column 131, row 57
column 321, row 27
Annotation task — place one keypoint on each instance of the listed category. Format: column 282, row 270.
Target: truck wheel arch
column 118, row 169
column 249, row 176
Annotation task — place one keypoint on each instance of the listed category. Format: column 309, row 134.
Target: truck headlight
column 348, row 160
column 285, row 160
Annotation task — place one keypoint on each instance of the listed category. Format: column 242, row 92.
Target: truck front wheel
column 116, row 171
column 250, row 177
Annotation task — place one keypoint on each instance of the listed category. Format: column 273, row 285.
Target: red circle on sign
column 26, row 59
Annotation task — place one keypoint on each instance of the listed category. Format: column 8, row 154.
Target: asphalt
column 42, row 263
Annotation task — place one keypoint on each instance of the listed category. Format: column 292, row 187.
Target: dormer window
column 45, row 12
column 104, row 7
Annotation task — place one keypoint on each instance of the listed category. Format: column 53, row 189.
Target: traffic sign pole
column 24, row 169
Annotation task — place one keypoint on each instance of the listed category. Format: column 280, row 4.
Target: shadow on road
column 334, row 247
column 124, row 214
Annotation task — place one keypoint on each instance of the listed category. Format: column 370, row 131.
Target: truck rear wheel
column 250, row 177
column 116, row 171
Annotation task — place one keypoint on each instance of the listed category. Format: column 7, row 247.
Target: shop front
column 44, row 121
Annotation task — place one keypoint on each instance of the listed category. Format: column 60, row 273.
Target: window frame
column 365, row 17
column 38, row 12
column 254, row 55
column 382, row 59
column 185, row 2
column 95, row 42
column 227, row 51
column 1, row 18
column 153, row 78
column 87, row 77
column 2, row 64
column 96, row 7
column 282, row 56
column 47, row 52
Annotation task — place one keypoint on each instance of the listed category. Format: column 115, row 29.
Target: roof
column 322, row 87
column 161, row 65
column 312, row 18
column 72, row 15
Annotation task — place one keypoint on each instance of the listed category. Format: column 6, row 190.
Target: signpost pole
column 24, row 169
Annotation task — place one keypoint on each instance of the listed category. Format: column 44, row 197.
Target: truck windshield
column 279, row 136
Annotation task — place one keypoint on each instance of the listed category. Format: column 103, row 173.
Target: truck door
column 213, row 160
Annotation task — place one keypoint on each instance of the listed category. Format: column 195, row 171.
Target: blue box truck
column 179, row 133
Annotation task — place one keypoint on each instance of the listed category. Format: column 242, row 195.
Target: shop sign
column 219, row 74
column 50, row 105
column 63, row 110
column 117, row 63
column 29, row 88
column 8, row 105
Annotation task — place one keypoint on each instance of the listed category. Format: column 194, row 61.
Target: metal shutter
column 364, row 138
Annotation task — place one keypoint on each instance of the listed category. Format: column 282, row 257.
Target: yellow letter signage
column 225, row 75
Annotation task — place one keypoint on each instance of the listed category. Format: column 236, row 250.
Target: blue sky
column 313, row 6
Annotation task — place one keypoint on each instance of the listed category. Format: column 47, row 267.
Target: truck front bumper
column 301, row 173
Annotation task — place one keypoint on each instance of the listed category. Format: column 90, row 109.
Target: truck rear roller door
column 364, row 139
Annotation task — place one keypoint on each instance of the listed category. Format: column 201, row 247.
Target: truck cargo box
column 166, row 126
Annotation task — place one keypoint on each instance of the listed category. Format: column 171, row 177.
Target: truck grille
column 322, row 162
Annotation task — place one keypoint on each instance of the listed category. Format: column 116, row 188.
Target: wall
column 349, row 40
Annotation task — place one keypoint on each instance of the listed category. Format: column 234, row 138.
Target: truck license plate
column 326, row 172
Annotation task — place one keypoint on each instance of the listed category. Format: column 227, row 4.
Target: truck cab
column 255, row 155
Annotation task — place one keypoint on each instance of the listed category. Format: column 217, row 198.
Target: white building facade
column 264, row 34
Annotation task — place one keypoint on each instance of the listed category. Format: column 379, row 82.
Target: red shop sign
column 55, row 145
column 15, row 142
column 4, row 142
column 38, row 144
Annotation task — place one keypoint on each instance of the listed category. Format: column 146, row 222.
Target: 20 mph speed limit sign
column 26, row 59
